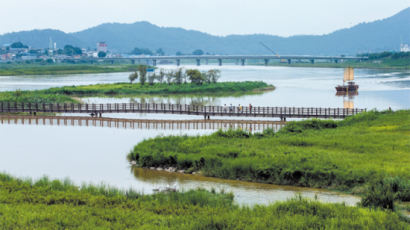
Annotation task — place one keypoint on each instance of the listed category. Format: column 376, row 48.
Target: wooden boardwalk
column 140, row 124
column 206, row 111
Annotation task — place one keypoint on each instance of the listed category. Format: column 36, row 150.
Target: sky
column 217, row 17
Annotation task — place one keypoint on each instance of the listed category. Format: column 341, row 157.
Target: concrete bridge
column 154, row 60
column 205, row 111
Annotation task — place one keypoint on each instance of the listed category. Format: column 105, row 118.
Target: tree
column 18, row 45
column 213, row 75
column 142, row 70
column 133, row 77
column 141, row 51
column 198, row 52
column 179, row 75
column 195, row 76
column 70, row 50
column 160, row 52
column 170, row 76
column 151, row 78
column 102, row 54
column 161, row 76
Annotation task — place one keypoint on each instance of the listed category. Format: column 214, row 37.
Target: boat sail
column 349, row 74
column 351, row 87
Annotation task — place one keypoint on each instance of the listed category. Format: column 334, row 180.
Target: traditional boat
column 348, row 78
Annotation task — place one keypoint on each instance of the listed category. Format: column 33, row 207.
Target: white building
column 404, row 48
column 102, row 47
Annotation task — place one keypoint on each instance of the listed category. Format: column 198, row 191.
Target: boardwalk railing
column 281, row 112
column 249, row 125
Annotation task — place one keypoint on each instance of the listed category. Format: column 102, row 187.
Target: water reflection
column 181, row 100
column 348, row 98
column 246, row 193
column 247, row 125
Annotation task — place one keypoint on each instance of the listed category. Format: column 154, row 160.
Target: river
column 92, row 154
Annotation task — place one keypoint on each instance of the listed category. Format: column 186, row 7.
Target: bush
column 300, row 126
column 379, row 195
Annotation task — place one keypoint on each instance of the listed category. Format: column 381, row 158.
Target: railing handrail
column 178, row 108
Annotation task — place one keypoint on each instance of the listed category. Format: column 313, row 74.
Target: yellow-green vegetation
column 68, row 93
column 20, row 96
column 161, row 89
column 344, row 155
column 47, row 204
column 62, row 69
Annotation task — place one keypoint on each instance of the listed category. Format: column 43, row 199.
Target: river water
column 98, row 154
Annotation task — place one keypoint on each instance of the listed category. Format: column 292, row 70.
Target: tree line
column 161, row 52
column 179, row 76
column 386, row 54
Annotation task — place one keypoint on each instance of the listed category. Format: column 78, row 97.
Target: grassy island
column 343, row 155
column 46, row 204
column 62, row 69
column 70, row 94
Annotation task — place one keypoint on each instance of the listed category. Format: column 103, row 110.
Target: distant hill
column 376, row 36
column 40, row 38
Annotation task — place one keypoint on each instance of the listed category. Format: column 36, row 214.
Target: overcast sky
column 218, row 17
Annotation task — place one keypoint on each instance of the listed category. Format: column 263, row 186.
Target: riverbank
column 72, row 94
column 357, row 65
column 63, row 69
column 343, row 155
column 385, row 60
column 60, row 204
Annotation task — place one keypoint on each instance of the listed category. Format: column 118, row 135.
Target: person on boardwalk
column 240, row 108
column 231, row 108
column 250, row 108
column 225, row 108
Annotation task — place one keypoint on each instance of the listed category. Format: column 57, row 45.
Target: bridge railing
column 178, row 109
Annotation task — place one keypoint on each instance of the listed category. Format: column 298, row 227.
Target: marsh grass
column 53, row 204
column 62, row 69
column 339, row 155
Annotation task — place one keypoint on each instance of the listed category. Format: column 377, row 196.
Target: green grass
column 67, row 94
column 47, row 204
column 62, row 69
column 343, row 155
column 35, row 97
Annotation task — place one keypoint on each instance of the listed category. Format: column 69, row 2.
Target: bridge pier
column 243, row 62
column 220, row 61
column 312, row 61
column 282, row 118
column 289, row 61
column 198, row 62
column 154, row 62
column 178, row 62
column 133, row 62
column 266, row 62
column 336, row 61
column 112, row 62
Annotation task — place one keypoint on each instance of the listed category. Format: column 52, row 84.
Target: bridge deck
column 281, row 112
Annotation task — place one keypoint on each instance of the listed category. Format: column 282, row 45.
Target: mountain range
column 381, row 35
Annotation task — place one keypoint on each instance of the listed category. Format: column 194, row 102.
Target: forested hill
column 381, row 35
